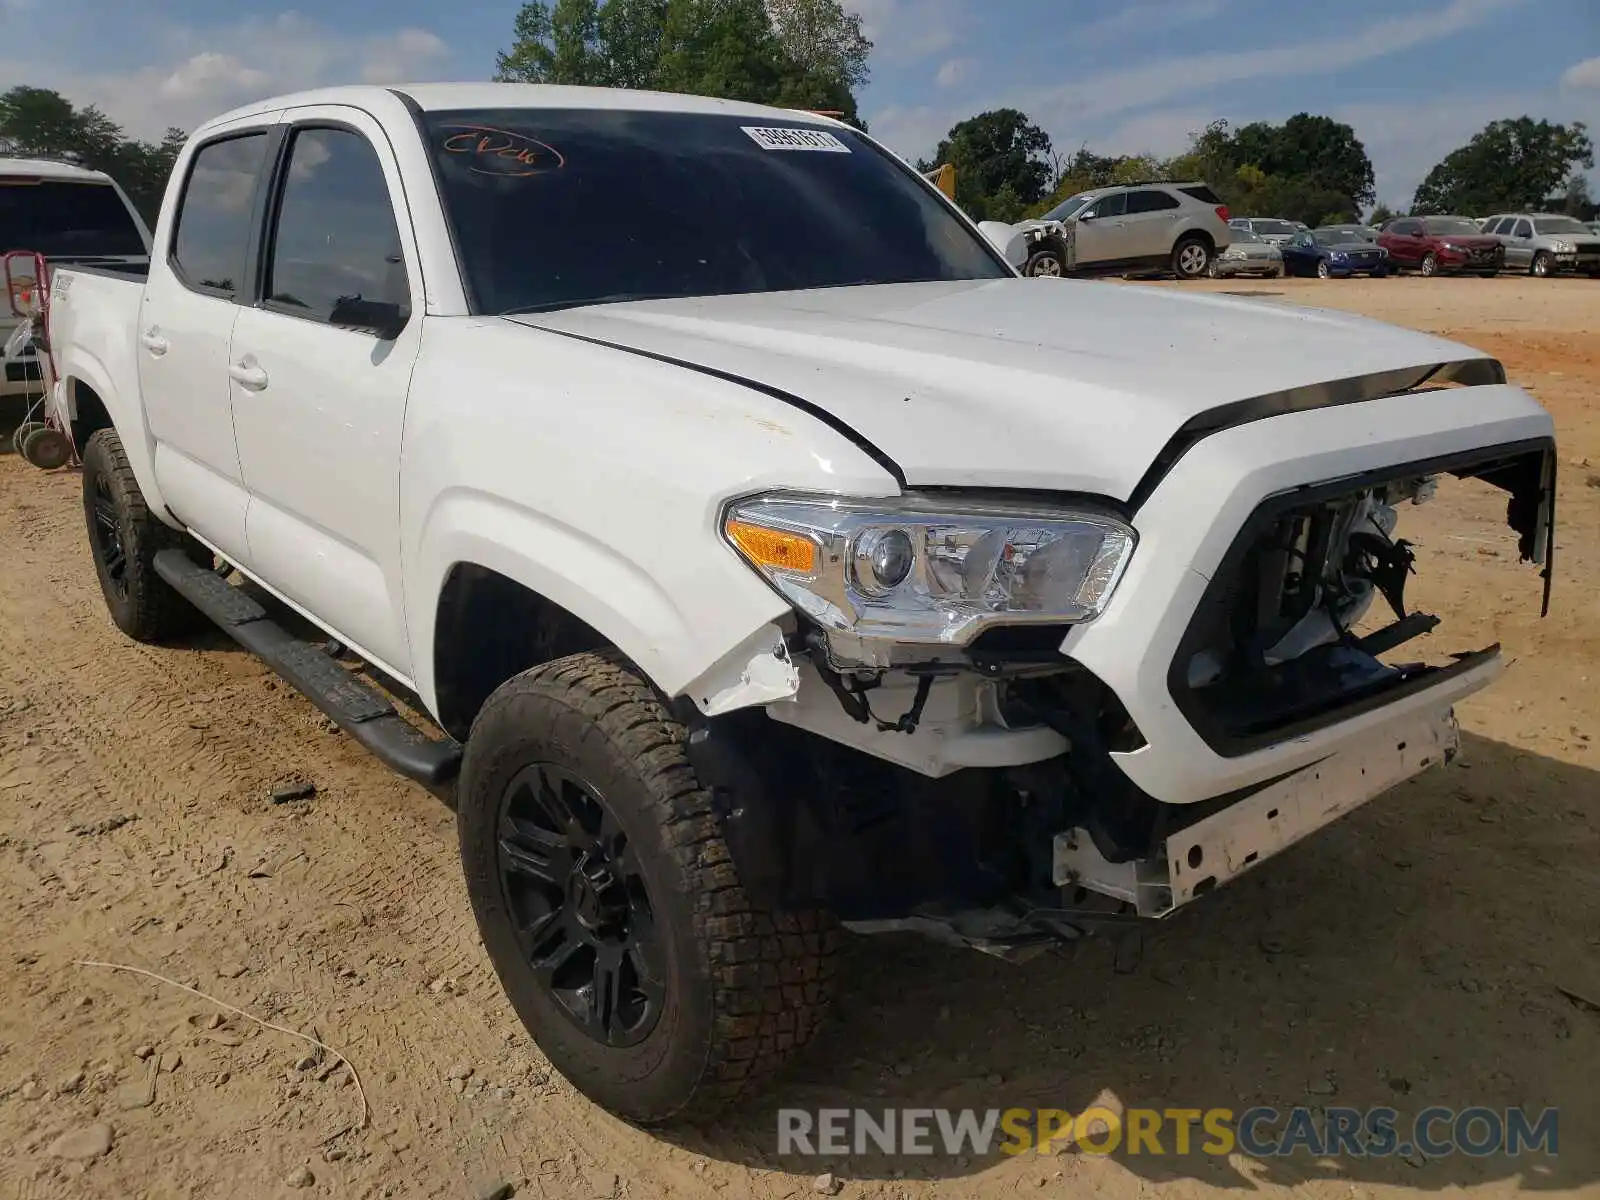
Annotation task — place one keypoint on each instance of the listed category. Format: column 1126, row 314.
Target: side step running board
column 358, row 709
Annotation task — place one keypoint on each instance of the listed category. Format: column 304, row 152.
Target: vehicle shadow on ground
column 1411, row 955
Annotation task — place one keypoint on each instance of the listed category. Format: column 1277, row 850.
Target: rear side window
column 335, row 247
column 209, row 248
column 1150, row 201
column 1202, row 193
column 64, row 219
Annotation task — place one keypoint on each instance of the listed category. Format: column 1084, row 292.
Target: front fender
column 674, row 640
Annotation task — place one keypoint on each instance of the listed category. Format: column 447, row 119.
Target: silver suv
column 1181, row 227
column 1544, row 243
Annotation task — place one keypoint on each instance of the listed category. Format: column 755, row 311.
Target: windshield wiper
column 612, row 298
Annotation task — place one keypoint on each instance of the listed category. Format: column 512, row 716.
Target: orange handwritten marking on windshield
column 502, row 152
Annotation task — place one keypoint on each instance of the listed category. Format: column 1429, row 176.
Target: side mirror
column 383, row 318
column 1088, row 216
column 1008, row 240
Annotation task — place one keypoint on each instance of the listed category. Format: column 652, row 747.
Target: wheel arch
column 88, row 400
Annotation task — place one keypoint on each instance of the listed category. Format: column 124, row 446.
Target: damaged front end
column 978, row 792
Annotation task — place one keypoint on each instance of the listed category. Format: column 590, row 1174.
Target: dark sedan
column 1333, row 251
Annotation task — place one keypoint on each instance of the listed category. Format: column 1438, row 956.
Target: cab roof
column 432, row 97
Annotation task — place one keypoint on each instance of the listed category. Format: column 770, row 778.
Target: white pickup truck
column 770, row 554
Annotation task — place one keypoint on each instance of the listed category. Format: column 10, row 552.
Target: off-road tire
column 1187, row 265
column 146, row 608
column 745, row 989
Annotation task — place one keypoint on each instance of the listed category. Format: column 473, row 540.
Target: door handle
column 152, row 341
column 251, row 378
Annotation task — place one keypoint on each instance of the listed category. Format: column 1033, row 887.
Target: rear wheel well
column 92, row 415
column 1195, row 235
column 488, row 629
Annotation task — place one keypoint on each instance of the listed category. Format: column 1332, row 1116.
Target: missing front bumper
column 1224, row 844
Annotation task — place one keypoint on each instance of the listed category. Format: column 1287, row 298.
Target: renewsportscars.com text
column 1260, row 1132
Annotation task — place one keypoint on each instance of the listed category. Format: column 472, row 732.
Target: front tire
column 1045, row 264
column 1542, row 265
column 1191, row 257
column 1430, row 265
column 1323, row 272
column 124, row 538
column 611, row 908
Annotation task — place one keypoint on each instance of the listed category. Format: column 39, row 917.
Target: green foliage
column 1510, row 164
column 40, row 122
column 1383, row 213
column 797, row 53
column 1002, row 163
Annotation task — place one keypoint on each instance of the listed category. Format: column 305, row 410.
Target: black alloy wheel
column 579, row 904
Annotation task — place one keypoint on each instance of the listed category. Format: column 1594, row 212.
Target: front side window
column 1522, row 230
column 213, row 234
column 65, row 219
column 336, row 247
column 1113, row 205
column 554, row 208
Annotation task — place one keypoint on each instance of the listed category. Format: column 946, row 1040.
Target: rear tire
column 708, row 994
column 124, row 539
column 1191, row 257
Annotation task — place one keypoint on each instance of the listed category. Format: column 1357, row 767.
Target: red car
column 1436, row 244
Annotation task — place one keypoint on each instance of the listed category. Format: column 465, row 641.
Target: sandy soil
column 1411, row 955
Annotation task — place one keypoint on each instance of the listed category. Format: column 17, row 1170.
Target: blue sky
column 1415, row 77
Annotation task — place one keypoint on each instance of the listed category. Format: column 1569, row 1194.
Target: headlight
column 1338, row 255
column 1233, row 252
column 914, row 569
column 1561, row 246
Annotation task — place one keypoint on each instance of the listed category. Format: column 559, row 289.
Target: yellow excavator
column 943, row 177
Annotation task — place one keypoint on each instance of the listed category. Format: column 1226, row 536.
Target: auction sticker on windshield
column 769, row 138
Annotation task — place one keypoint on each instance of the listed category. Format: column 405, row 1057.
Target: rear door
column 1148, row 223
column 320, row 368
column 203, row 266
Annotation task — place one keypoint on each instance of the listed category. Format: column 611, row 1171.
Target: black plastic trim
column 1195, row 712
column 1357, row 389
column 755, row 385
column 358, row 709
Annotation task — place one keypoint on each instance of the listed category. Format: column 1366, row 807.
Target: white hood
column 1032, row 384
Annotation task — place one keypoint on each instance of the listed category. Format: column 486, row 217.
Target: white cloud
column 203, row 72
column 1582, row 75
column 907, row 30
column 952, row 71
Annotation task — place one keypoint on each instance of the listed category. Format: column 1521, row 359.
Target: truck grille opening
column 1301, row 624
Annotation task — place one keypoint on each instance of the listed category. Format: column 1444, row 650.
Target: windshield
column 1272, row 226
column 1069, row 207
column 559, row 207
column 1559, row 225
column 1443, row 226
column 1241, row 235
column 65, row 219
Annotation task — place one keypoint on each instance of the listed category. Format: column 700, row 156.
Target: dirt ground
column 1413, row 954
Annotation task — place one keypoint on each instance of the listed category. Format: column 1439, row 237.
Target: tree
column 1509, row 165
column 1323, row 154
column 1381, row 214
column 38, row 121
column 1577, row 201
column 995, row 150
column 798, row 53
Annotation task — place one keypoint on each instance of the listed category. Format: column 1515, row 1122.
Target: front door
column 197, row 277
column 1099, row 234
column 320, row 372
column 1519, row 244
